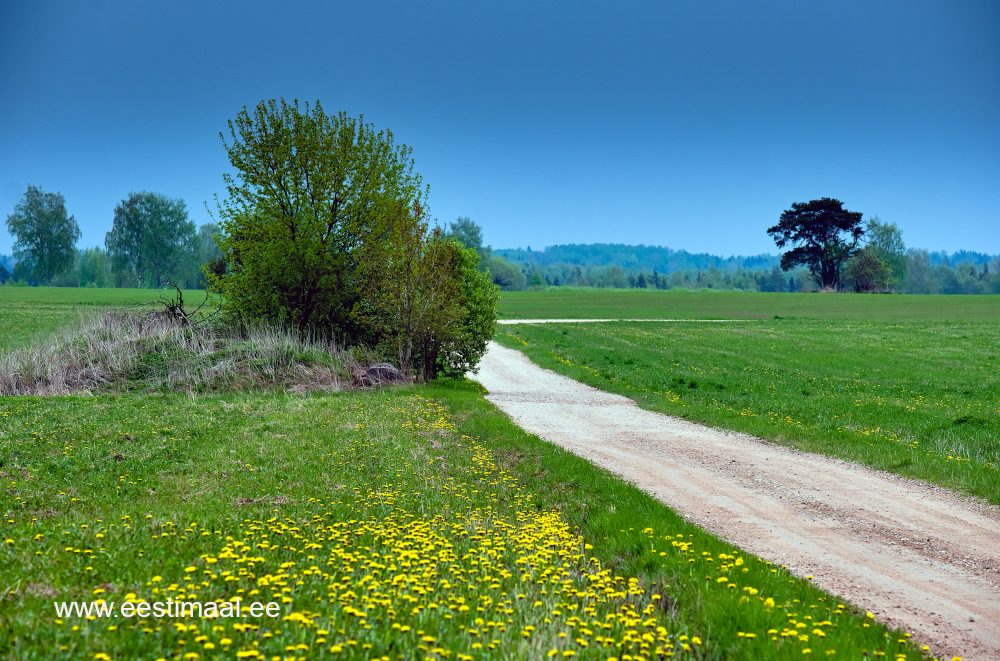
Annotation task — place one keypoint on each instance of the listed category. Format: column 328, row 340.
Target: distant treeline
column 96, row 267
column 656, row 267
column 602, row 265
column 634, row 258
column 152, row 243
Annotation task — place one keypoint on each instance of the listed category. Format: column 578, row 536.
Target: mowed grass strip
column 919, row 398
column 389, row 524
column 584, row 303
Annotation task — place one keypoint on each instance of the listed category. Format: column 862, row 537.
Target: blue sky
column 679, row 123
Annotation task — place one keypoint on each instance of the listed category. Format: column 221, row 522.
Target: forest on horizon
column 608, row 265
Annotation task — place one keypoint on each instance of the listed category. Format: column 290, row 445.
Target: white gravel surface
column 917, row 556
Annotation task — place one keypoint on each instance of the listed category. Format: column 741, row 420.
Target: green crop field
column 577, row 303
column 395, row 523
column 916, row 397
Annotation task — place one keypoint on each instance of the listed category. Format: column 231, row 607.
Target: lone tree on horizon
column 824, row 234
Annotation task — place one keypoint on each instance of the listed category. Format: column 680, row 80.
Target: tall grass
column 124, row 351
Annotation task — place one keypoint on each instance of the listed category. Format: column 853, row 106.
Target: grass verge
column 384, row 524
column 123, row 351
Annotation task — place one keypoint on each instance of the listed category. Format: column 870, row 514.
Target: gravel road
column 917, row 556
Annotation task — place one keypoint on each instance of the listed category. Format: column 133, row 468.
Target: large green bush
column 425, row 296
column 307, row 192
column 325, row 228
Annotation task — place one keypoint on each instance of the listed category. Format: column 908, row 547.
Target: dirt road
column 919, row 557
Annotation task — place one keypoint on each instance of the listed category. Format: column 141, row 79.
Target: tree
column 203, row 254
column 919, row 273
column 776, row 281
column 95, row 268
column 4, row 274
column 535, row 280
column 470, row 235
column 45, row 236
column 887, row 241
column 151, row 238
column 426, row 297
column 824, row 234
column 506, row 274
column 464, row 345
column 946, row 281
column 866, row 271
column 991, row 278
column 970, row 282
column 208, row 245
column 308, row 193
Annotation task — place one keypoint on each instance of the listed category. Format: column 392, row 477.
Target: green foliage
column 506, row 275
column 470, row 235
column 866, row 272
column 324, row 228
column 150, row 241
column 466, row 232
column 44, row 234
column 207, row 251
column 886, row 239
column 919, row 276
column 425, row 296
column 824, row 235
column 775, row 281
column 640, row 257
column 95, row 268
column 465, row 343
column 308, row 191
column 652, row 267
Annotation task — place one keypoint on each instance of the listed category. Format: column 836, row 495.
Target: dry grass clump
column 127, row 351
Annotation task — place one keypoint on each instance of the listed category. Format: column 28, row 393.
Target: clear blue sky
column 690, row 124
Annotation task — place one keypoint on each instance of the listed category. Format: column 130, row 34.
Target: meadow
column 33, row 312
column 583, row 303
column 916, row 397
column 392, row 523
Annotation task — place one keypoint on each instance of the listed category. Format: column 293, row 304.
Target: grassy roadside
column 387, row 523
column 919, row 398
column 585, row 303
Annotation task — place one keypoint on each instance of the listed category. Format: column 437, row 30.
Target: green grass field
column 26, row 312
column 574, row 303
column 397, row 523
column 919, row 398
